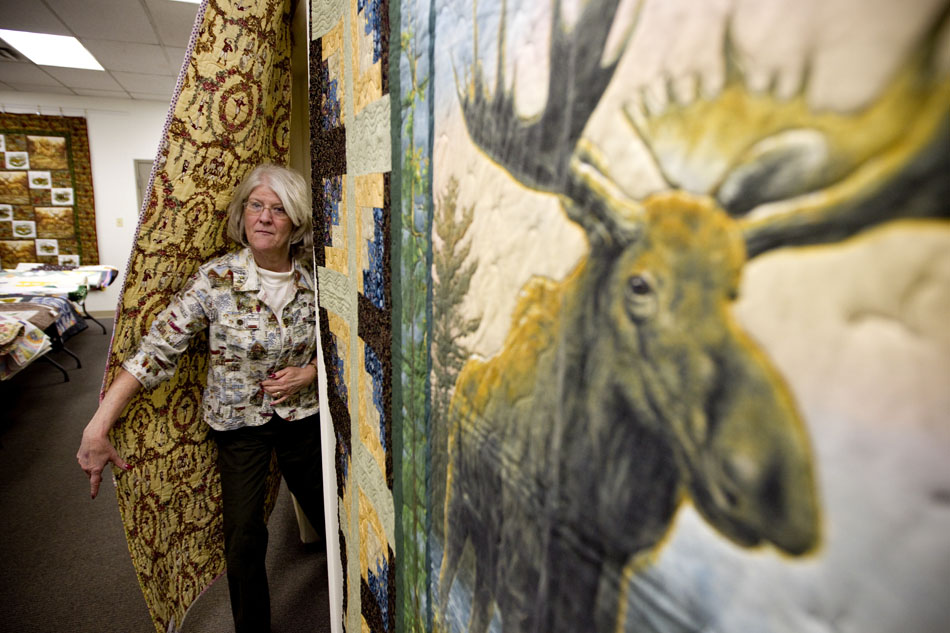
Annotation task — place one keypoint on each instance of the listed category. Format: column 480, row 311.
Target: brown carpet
column 64, row 563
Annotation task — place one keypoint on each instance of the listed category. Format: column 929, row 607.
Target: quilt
column 47, row 211
column 352, row 191
column 231, row 111
column 671, row 297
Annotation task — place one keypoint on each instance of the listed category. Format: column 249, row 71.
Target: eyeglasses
column 256, row 208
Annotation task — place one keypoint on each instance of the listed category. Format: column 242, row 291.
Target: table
column 73, row 284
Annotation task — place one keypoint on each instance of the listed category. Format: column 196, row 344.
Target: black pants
column 243, row 458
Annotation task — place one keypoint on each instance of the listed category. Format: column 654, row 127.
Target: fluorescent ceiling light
column 51, row 50
column 188, row 1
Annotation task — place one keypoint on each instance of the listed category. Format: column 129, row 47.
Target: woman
column 259, row 307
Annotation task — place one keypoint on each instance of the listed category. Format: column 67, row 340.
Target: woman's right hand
column 94, row 455
column 95, row 451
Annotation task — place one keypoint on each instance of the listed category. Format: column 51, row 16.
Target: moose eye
column 640, row 297
column 639, row 286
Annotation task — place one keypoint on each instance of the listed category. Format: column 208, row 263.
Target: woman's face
column 266, row 225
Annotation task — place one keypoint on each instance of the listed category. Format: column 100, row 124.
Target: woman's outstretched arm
column 96, row 451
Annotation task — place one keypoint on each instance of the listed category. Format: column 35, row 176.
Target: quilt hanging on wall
column 47, row 211
column 351, row 167
column 230, row 112
column 683, row 362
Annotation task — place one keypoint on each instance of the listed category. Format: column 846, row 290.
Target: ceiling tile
column 77, row 78
column 146, row 96
column 30, row 15
column 25, row 72
column 173, row 20
column 105, row 94
column 123, row 20
column 141, row 43
column 148, row 84
column 176, row 58
column 129, row 57
column 44, row 88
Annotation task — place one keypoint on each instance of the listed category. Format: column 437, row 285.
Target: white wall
column 120, row 131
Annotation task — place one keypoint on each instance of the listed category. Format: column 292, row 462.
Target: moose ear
column 778, row 167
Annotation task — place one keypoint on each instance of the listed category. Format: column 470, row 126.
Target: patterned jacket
column 244, row 340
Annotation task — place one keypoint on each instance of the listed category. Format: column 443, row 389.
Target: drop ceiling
column 140, row 43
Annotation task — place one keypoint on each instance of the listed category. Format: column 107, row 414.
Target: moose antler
column 542, row 152
column 788, row 174
column 794, row 176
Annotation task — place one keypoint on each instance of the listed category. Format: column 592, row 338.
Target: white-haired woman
column 258, row 305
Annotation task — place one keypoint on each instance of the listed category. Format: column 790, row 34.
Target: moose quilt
column 672, row 297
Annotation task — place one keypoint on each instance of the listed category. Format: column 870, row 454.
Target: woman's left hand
column 285, row 382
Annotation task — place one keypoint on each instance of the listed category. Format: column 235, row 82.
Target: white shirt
column 277, row 289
